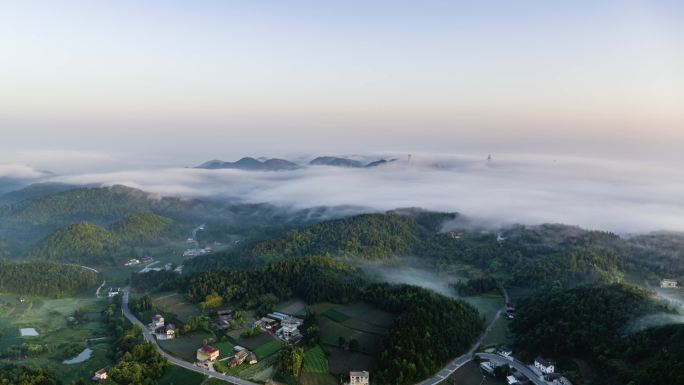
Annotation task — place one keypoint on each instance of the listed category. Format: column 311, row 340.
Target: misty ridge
column 618, row 196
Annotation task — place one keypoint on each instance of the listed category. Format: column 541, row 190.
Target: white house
column 359, row 378
column 488, row 366
column 544, row 365
column 101, row 375
column 511, row 380
column 561, row 381
column 157, row 321
column 668, row 284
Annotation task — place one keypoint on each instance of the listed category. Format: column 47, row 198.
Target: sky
column 117, row 84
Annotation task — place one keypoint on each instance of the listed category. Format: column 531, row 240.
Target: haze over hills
column 275, row 164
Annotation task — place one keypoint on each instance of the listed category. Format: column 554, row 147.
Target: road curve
column 467, row 357
column 173, row 360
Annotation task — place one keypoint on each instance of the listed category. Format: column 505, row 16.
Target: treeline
column 314, row 279
column 429, row 329
column 87, row 242
column 45, row 278
column 373, row 236
column 475, row 286
column 591, row 323
column 22, row 375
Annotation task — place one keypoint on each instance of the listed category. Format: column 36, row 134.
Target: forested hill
column 45, row 278
column 591, row 323
column 430, row 329
column 92, row 244
column 367, row 236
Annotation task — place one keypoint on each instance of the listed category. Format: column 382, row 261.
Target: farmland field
column 176, row 304
column 315, row 361
column 185, row 346
column 176, row 375
column 267, row 349
column 317, row 379
column 342, row 361
column 332, row 331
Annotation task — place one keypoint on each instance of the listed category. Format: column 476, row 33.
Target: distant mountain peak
column 251, row 164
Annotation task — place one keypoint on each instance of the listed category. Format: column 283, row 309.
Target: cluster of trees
column 429, row 330
column 593, row 323
column 291, row 361
column 315, row 279
column 475, row 286
column 86, row 242
column 370, row 236
column 45, row 278
column 584, row 321
column 23, row 351
column 22, row 375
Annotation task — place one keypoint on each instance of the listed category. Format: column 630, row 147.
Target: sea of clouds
column 620, row 196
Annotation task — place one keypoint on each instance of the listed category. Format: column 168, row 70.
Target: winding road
column 470, row 355
column 173, row 360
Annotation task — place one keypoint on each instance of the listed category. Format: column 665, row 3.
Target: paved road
column 173, row 360
column 464, row 359
column 519, row 366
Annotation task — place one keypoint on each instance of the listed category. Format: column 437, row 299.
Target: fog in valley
column 619, row 196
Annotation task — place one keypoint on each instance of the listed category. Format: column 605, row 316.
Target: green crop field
column 315, row 361
column 267, row 349
column 486, row 304
column 335, row 315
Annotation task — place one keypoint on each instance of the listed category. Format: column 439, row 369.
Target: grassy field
column 487, row 304
column 315, row 361
column 185, row 346
column 267, row 349
column 317, row 379
column 293, row 306
column 499, row 335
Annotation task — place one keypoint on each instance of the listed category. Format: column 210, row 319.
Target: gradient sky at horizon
column 207, row 79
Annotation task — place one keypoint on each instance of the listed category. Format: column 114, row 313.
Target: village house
column 268, row 324
column 252, row 359
column 101, row 375
column 132, row 262
column 359, row 378
column 288, row 332
column 488, row 367
column 668, row 284
column 239, row 358
column 505, row 351
column 113, row 292
column 157, row 322
column 544, row 365
column 207, row 353
column 167, row 332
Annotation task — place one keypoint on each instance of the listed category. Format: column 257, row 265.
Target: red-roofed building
column 207, row 353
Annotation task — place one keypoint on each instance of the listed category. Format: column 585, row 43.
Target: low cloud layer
column 609, row 195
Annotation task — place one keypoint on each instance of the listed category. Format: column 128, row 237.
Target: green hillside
column 368, row 235
column 77, row 243
column 45, row 278
column 143, row 228
column 86, row 242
